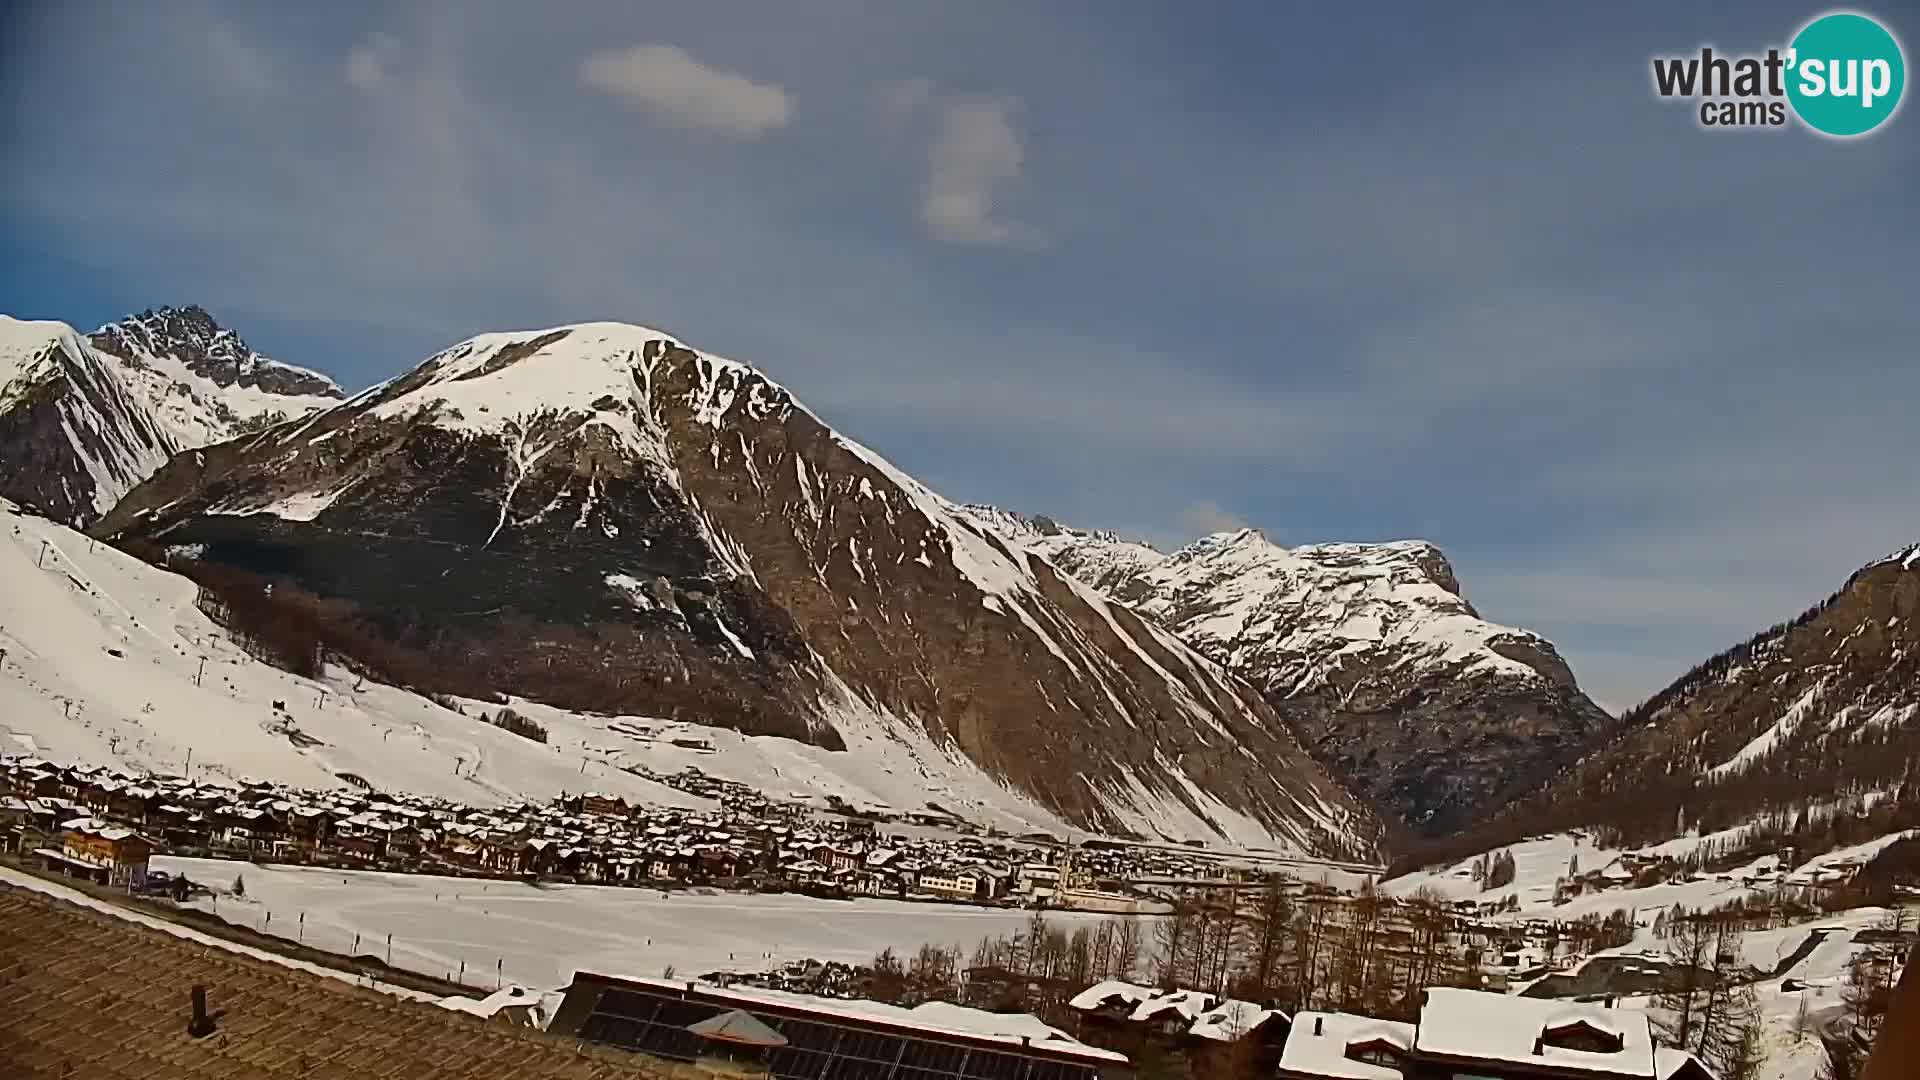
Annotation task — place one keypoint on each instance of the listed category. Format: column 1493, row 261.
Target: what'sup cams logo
column 1842, row 75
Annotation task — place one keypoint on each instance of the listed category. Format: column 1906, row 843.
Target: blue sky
column 1168, row 269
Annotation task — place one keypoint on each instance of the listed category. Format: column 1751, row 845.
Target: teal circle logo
column 1845, row 74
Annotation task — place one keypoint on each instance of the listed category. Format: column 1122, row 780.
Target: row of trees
column 1361, row 954
column 1493, row 870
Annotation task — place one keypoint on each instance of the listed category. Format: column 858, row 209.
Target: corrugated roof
column 88, row 995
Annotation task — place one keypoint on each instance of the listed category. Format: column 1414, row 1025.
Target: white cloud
column 367, row 62
column 977, row 151
column 667, row 80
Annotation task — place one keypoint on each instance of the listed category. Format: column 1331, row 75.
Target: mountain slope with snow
column 1822, row 708
column 684, row 539
column 73, row 436
column 82, row 420
column 1395, row 681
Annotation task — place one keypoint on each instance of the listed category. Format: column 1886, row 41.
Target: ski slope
column 68, row 604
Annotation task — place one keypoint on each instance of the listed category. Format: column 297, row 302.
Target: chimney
column 1609, row 1001
column 1539, row 1044
column 1319, row 1024
column 201, row 1025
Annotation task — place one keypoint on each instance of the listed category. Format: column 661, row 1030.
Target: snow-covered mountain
column 597, row 515
column 202, row 381
column 83, row 420
column 1809, row 730
column 1370, row 650
column 74, row 436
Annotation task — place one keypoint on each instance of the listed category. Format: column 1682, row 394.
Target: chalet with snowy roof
column 1469, row 1034
column 1129, row 1018
column 99, row 852
column 1512, row 1038
column 1342, row 1046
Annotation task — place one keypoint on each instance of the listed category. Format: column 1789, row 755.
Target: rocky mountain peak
column 191, row 336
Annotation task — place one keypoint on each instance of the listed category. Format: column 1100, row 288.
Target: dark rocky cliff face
column 607, row 479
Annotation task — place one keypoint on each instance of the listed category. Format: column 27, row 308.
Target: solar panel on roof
column 657, row 1022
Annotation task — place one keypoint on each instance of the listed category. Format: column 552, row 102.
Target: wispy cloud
column 975, row 157
column 668, row 81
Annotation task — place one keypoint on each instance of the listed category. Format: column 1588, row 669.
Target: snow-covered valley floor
column 539, row 936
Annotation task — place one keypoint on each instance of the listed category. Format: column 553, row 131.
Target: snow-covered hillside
column 103, row 663
column 1397, row 681
column 1815, row 711
column 1543, row 863
column 71, row 604
column 73, row 436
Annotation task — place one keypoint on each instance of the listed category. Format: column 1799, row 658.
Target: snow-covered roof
column 1668, row 1061
column 1317, row 1046
column 1209, row 1017
column 1229, row 1021
column 1473, row 1025
column 486, row 1007
column 1092, row 996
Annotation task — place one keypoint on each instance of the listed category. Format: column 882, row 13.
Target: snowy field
column 540, row 936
